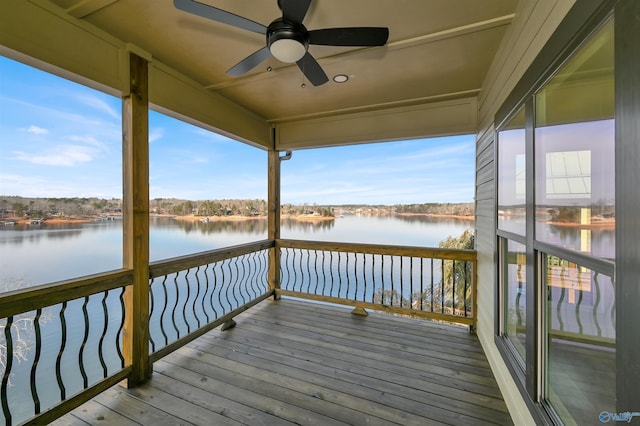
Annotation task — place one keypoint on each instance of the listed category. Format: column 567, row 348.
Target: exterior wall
column 532, row 26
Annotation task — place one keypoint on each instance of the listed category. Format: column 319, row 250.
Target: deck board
column 294, row 362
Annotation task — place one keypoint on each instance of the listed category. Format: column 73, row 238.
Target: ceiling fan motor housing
column 287, row 41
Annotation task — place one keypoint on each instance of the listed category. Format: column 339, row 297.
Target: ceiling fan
column 287, row 38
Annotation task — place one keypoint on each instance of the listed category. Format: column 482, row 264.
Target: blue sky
column 61, row 139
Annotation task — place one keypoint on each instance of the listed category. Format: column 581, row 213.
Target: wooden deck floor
column 293, row 362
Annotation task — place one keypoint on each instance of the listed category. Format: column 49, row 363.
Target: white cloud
column 99, row 104
column 37, row 130
column 89, row 140
column 155, row 134
column 63, row 155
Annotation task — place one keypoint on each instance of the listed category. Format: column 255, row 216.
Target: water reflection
column 308, row 225
column 52, row 252
column 433, row 220
column 250, row 226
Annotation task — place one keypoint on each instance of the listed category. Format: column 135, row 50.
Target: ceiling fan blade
column 312, row 70
column 219, row 15
column 250, row 62
column 294, row 10
column 355, row 36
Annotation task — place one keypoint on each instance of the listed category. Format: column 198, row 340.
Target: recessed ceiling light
column 340, row 78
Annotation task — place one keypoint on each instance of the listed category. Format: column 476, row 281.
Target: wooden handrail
column 181, row 263
column 430, row 252
column 32, row 298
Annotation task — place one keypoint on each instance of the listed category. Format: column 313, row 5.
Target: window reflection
column 512, row 176
column 515, row 273
column 575, row 198
column 581, row 372
column 574, row 145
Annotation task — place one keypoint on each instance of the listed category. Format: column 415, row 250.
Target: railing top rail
column 181, row 263
column 427, row 252
column 32, row 298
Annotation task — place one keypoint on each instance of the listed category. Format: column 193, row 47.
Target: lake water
column 38, row 254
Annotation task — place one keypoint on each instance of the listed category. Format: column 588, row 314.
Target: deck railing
column 193, row 294
column 426, row 282
column 61, row 344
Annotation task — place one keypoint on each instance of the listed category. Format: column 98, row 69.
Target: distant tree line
column 226, row 207
column 457, row 209
column 14, row 206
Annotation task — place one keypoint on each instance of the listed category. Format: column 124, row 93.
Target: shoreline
column 237, row 218
column 439, row 215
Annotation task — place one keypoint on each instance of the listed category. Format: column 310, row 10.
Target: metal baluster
column 175, row 306
column 453, row 289
column 303, row 282
column 382, row 276
column 7, row 370
column 240, row 277
column 315, row 260
column 233, row 280
column 364, row 276
column 596, row 286
column 36, row 359
column 164, row 309
column 264, row 271
column 195, row 298
column 339, row 276
column 63, row 343
column 83, row 372
column 401, row 280
column 577, row 311
column 442, row 287
column 105, row 313
column 120, row 329
column 355, row 274
column 431, row 296
column 186, row 300
column 373, row 276
column 324, row 273
column 411, row 283
column 206, row 291
column 518, row 310
column 392, row 286
column 466, row 288
column 613, row 306
column 224, row 308
column 422, row 283
column 293, row 268
column 151, row 310
column 226, row 283
column 253, row 267
column 213, row 291
column 331, row 272
column 559, row 310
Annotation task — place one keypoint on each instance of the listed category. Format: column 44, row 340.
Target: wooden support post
column 135, row 215
column 273, row 220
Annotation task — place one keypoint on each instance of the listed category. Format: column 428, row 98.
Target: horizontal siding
column 484, row 174
column 485, row 157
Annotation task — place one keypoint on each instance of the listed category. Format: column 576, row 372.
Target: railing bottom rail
column 436, row 316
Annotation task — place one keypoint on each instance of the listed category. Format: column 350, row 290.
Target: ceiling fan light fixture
column 287, row 50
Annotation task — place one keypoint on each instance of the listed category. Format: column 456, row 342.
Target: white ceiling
column 437, row 50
